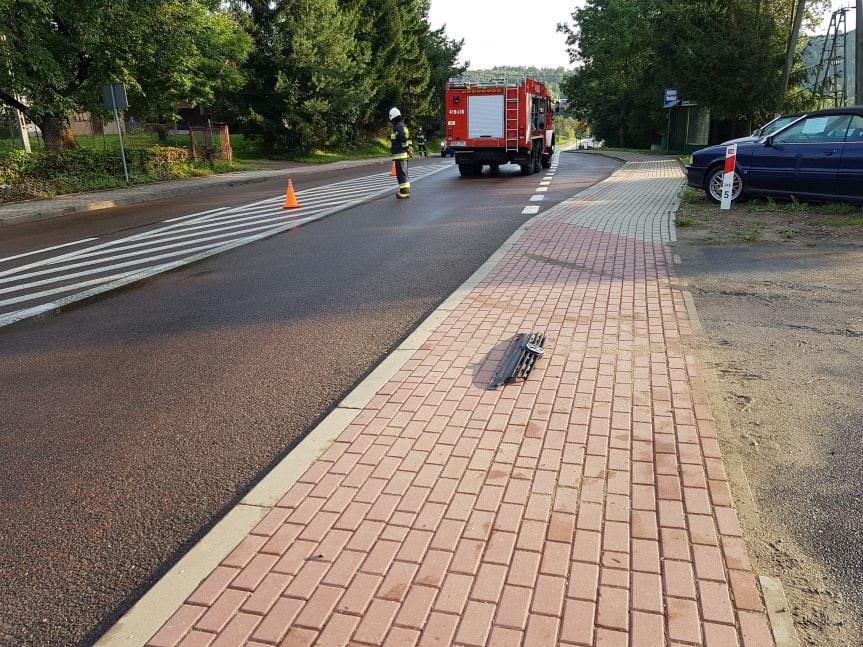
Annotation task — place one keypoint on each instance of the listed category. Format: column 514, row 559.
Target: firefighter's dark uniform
column 400, row 148
column 422, row 151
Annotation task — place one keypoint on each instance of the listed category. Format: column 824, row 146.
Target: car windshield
column 776, row 124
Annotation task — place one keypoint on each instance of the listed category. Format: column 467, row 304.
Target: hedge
column 39, row 174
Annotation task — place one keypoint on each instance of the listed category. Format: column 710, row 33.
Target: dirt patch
column 779, row 292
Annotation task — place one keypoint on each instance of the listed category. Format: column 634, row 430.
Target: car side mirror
column 768, row 141
column 756, row 132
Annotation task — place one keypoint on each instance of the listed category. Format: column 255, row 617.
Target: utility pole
column 792, row 50
column 858, row 48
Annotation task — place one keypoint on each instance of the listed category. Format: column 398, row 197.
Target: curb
column 772, row 591
column 215, row 181
column 147, row 616
column 611, row 155
column 781, row 622
column 139, row 275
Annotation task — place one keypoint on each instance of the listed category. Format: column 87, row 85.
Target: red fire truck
column 499, row 122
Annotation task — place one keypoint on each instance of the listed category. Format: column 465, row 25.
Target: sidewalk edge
column 778, row 612
column 146, row 617
column 776, row 605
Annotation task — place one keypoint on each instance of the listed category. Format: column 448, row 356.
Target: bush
column 162, row 160
column 40, row 174
column 11, row 165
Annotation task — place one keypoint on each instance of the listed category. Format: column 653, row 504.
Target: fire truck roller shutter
column 485, row 116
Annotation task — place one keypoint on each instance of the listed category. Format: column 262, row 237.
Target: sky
column 491, row 27
column 488, row 25
column 826, row 22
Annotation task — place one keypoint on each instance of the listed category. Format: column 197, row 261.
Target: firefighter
column 401, row 149
column 422, row 151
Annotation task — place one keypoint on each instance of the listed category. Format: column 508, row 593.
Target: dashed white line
column 537, row 198
column 531, row 209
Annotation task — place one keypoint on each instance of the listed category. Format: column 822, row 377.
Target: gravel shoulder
column 778, row 291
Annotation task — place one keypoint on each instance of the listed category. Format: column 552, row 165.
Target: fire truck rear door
column 485, row 116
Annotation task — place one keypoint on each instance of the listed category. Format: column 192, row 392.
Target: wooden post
column 227, row 151
column 194, row 146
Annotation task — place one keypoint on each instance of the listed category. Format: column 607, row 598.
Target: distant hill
column 812, row 55
column 551, row 76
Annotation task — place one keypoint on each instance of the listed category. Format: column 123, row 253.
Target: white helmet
column 394, row 113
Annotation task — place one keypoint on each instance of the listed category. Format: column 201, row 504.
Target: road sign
column 114, row 96
column 671, row 98
column 728, row 177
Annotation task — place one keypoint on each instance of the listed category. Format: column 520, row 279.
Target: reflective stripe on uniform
column 400, row 156
column 406, row 185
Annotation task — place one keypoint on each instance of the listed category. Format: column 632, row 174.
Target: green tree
column 306, row 76
column 395, row 33
column 727, row 55
column 57, row 54
column 191, row 53
column 442, row 54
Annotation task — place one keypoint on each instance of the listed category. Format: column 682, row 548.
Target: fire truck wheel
column 527, row 167
column 546, row 160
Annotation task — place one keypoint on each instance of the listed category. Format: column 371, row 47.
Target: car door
column 769, row 166
column 849, row 182
column 818, row 169
column 802, row 159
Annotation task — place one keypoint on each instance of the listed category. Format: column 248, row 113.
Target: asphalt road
column 129, row 424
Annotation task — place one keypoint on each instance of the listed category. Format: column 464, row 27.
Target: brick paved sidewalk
column 586, row 506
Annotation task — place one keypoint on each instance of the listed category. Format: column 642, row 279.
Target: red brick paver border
column 588, row 505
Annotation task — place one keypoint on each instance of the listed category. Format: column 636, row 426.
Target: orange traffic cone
column 290, row 197
column 393, row 169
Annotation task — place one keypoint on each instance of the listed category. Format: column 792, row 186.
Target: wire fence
column 150, row 152
column 204, row 143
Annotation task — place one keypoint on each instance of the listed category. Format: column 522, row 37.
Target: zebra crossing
column 39, row 281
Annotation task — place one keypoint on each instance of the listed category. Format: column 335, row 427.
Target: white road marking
column 199, row 213
column 106, row 268
column 47, row 249
column 222, row 228
column 541, row 189
column 202, row 217
column 530, row 209
column 537, row 198
column 65, row 288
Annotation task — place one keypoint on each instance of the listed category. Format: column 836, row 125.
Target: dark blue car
column 818, row 156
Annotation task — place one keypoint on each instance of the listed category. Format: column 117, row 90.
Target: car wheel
column 713, row 185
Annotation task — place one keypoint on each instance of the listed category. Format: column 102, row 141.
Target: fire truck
column 499, row 122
